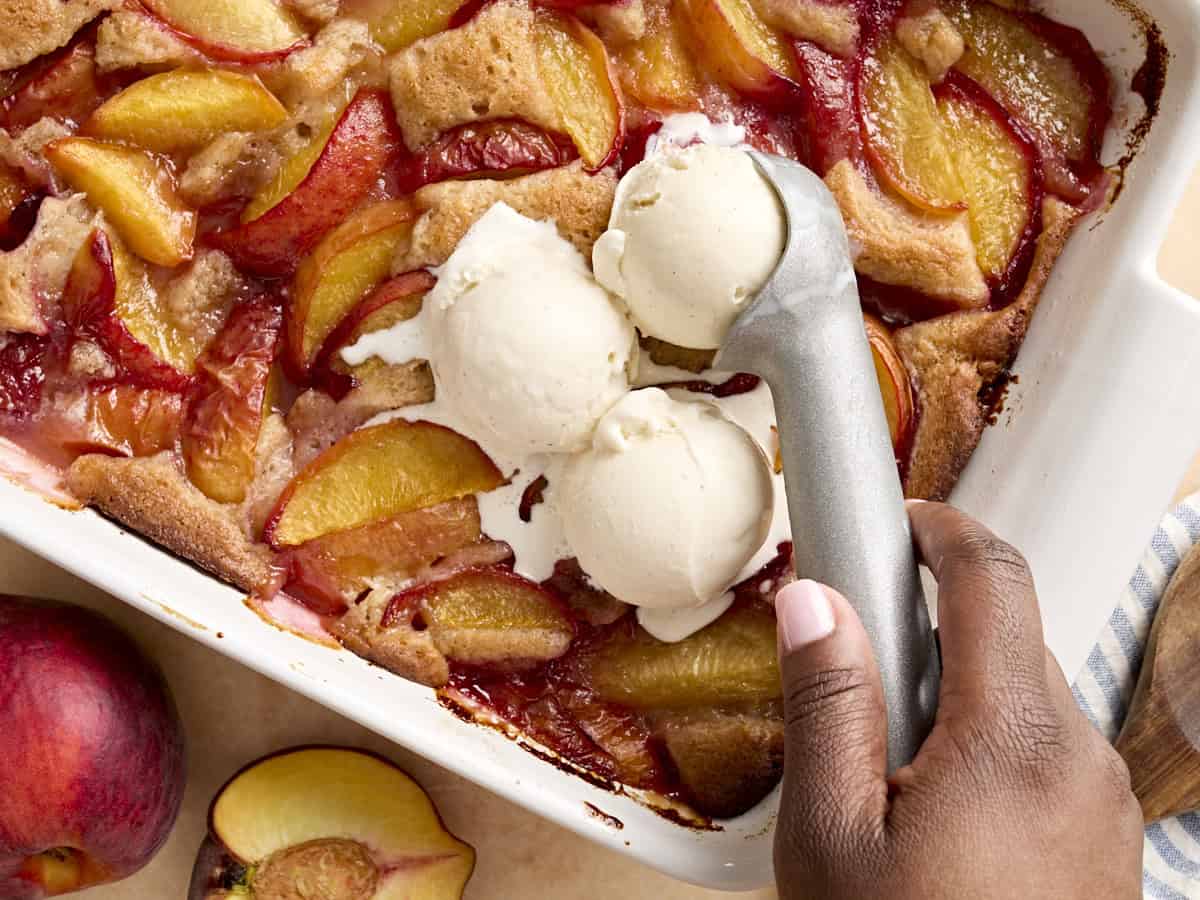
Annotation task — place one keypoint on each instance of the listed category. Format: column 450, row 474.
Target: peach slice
column 22, row 374
column 827, row 89
column 293, row 171
column 183, row 110
column 327, row 571
column 904, row 133
column 747, row 53
column 657, row 69
column 379, row 472
column 134, row 421
column 397, row 23
column 231, row 401
column 120, row 420
column 109, row 297
column 136, row 191
column 894, row 384
column 13, row 195
column 316, row 189
column 1047, row 76
column 233, row 30
column 348, row 263
column 488, row 616
column 484, row 150
column 733, row 660
column 64, row 86
column 328, row 822
column 396, row 300
column 579, row 77
column 1000, row 172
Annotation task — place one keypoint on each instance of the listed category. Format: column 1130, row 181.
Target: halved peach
column 136, row 191
column 328, row 822
column 657, row 69
column 233, row 30
column 894, row 384
column 348, row 263
column 488, row 616
column 64, row 86
column 747, row 53
column 183, row 110
column 110, row 298
column 1000, row 172
column 397, row 23
column 327, row 571
column 733, row 660
column 316, row 189
column 379, row 472
column 485, row 150
column 231, row 401
column 579, row 77
column 1045, row 74
column 905, row 140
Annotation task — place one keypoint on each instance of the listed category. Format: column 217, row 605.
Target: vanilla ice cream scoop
column 530, row 350
column 668, row 504
column 694, row 234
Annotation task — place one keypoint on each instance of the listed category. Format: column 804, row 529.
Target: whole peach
column 91, row 751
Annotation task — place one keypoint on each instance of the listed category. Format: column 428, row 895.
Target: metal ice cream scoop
column 804, row 335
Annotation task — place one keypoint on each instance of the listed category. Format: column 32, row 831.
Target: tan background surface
column 233, row 715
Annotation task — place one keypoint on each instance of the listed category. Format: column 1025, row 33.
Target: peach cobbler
column 381, row 311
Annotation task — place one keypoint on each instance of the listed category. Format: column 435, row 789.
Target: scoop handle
column 804, row 334
column 849, row 524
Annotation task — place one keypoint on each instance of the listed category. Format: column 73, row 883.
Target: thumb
column 835, row 788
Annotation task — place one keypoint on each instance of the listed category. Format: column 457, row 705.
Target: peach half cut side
column 328, row 822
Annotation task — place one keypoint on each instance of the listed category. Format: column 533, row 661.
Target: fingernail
column 805, row 614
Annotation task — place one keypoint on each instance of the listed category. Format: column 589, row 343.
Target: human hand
column 1012, row 795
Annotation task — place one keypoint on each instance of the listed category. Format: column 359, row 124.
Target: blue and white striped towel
column 1104, row 688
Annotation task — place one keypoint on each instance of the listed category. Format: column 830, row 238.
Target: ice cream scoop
column 669, row 251
column 804, row 335
column 667, row 506
column 531, row 352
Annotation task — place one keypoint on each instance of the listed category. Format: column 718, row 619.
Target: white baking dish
column 1093, row 441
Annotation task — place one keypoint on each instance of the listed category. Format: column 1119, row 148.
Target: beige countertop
column 233, row 715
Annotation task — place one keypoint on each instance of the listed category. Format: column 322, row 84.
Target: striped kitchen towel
column 1104, row 688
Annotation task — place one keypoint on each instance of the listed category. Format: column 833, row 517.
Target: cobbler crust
column 33, row 275
column 832, row 25
column 128, row 39
column 893, row 243
column 578, row 203
column 932, row 39
column 32, row 28
column 399, row 648
column 728, row 761
column 153, row 496
column 487, row 69
column 952, row 358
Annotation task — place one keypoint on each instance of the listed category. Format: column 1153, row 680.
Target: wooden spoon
column 1161, row 738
